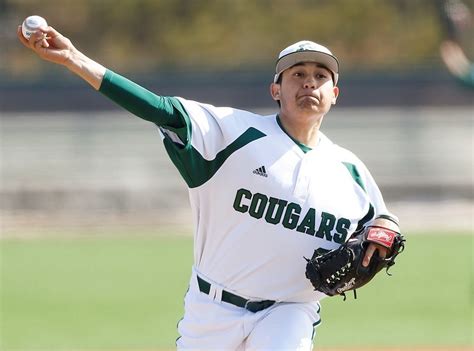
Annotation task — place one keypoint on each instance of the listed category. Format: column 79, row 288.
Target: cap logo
column 305, row 46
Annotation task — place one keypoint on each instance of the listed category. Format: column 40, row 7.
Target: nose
column 310, row 83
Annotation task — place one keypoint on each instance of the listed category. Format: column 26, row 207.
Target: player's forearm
column 163, row 111
column 129, row 95
column 89, row 70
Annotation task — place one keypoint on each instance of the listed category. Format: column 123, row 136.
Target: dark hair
column 280, row 78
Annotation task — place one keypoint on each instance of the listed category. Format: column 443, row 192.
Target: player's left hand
column 382, row 251
column 359, row 259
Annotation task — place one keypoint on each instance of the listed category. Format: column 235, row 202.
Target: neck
column 305, row 131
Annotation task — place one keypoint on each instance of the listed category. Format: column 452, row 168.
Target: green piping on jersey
column 354, row 173
column 302, row 146
column 194, row 168
column 368, row 216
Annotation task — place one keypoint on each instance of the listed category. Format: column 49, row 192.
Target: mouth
column 308, row 96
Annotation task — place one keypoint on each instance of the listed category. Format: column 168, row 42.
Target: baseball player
column 265, row 192
column 456, row 18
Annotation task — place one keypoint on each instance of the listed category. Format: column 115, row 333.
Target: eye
column 298, row 74
column 321, row 76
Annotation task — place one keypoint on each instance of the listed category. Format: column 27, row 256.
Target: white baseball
column 31, row 25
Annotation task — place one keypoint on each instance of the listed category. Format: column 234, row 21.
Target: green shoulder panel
column 354, row 174
column 194, row 168
column 170, row 115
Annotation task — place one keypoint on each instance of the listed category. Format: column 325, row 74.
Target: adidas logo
column 261, row 171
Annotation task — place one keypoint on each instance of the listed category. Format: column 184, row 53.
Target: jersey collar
column 303, row 147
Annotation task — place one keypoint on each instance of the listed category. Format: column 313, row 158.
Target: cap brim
column 294, row 58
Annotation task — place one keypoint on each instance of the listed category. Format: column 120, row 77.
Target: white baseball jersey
column 261, row 201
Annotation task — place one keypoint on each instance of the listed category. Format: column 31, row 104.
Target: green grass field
column 127, row 293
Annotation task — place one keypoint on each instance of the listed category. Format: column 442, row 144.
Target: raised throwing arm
column 50, row 45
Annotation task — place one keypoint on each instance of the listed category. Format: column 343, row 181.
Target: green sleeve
column 164, row 111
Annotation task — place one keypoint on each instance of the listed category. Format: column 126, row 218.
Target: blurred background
column 71, row 157
column 73, row 165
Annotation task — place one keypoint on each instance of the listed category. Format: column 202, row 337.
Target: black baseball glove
column 340, row 270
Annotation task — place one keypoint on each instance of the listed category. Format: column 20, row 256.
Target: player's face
column 306, row 89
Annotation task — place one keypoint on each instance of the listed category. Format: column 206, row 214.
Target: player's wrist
column 74, row 59
column 84, row 67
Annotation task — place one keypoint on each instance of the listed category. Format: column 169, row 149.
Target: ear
column 336, row 94
column 275, row 91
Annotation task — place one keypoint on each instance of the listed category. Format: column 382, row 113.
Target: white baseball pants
column 212, row 324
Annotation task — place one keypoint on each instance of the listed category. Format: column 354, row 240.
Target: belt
column 252, row 306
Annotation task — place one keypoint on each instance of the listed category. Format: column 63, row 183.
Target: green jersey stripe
column 194, row 168
column 368, row 216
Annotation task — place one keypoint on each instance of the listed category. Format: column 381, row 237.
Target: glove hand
column 382, row 252
column 358, row 260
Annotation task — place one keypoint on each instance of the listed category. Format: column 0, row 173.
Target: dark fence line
column 245, row 89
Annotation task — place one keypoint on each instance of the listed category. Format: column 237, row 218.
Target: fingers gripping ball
column 31, row 25
column 341, row 270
